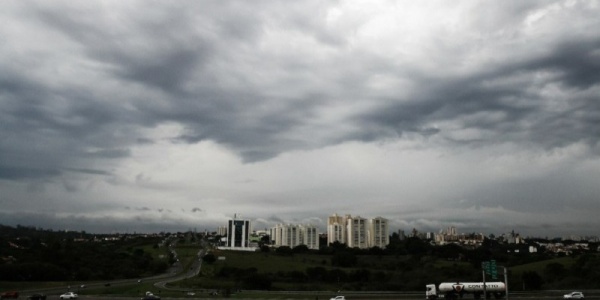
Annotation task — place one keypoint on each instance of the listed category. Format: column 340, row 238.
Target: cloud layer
column 168, row 116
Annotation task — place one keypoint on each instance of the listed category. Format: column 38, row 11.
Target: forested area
column 405, row 265
column 30, row 254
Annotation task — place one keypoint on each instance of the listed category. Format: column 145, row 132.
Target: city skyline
column 133, row 116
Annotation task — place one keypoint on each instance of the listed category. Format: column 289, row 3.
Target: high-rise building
column 379, row 232
column 336, row 229
column 222, row 230
column 238, row 233
column 310, row 237
column 451, row 230
column 401, row 235
column 285, row 235
column 295, row 235
column 356, row 232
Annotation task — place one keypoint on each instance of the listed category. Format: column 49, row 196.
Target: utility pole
column 484, row 268
column 505, row 282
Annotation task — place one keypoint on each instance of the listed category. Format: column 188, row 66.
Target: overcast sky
column 123, row 116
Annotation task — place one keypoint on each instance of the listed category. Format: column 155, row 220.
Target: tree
column 316, row 273
column 209, row 258
column 450, row 251
column 415, row 246
column 301, row 249
column 532, row 280
column 257, row 281
column 284, row 250
column 265, row 240
column 555, row 271
column 344, row 259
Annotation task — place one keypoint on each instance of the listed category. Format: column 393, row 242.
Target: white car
column 574, row 295
column 338, row 298
column 68, row 295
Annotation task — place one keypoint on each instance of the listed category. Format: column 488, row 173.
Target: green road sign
column 489, row 267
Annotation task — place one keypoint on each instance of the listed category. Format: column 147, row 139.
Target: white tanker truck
column 454, row 290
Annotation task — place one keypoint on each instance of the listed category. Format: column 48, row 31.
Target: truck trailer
column 454, row 290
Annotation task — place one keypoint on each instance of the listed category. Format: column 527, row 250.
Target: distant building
column 379, row 233
column 238, row 235
column 356, row 236
column 295, row 235
column 451, row 231
column 430, row 236
column 513, row 238
column 358, row 232
column 222, row 230
column 401, row 235
column 336, row 229
column 451, row 236
column 310, row 237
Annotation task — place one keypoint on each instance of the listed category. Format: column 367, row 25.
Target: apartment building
column 222, row 230
column 357, row 231
column 378, row 233
column 336, row 229
column 294, row 235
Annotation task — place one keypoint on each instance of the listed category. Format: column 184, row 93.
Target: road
column 193, row 271
column 323, row 296
column 176, row 273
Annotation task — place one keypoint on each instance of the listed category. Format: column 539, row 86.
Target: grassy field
column 411, row 271
column 270, row 262
column 278, row 266
column 541, row 265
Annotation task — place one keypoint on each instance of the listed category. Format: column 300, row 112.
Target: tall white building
column 379, row 232
column 358, row 232
column 451, row 230
column 336, row 229
column 295, row 235
column 238, row 234
column 222, row 230
column 310, row 237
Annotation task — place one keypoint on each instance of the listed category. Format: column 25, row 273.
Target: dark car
column 9, row 295
column 37, row 297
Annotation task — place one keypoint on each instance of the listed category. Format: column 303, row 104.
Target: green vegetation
column 30, row 254
column 315, row 271
column 404, row 266
column 61, row 258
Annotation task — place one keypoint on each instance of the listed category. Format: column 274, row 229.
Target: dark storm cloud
column 169, row 54
column 89, row 171
column 110, row 153
column 177, row 52
column 526, row 115
column 161, row 49
column 17, row 173
column 577, row 62
column 101, row 224
column 84, row 86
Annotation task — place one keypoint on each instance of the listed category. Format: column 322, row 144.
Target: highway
column 324, row 296
column 176, row 273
